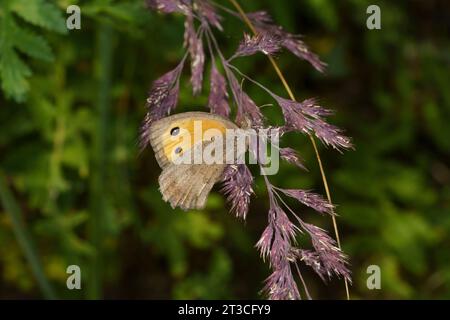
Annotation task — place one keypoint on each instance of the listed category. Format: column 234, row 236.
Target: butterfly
column 181, row 137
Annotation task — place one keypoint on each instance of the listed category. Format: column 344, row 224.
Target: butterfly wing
column 158, row 136
column 161, row 132
column 186, row 185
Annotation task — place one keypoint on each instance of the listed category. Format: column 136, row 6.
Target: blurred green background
column 74, row 189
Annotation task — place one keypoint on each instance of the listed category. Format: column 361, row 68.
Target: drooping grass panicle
column 333, row 260
column 311, row 259
column 306, row 117
column 277, row 244
column 294, row 43
column 247, row 110
column 208, row 12
column 170, row 6
column 290, row 155
column 238, row 188
column 162, row 99
column 264, row 24
column 194, row 44
column 281, row 285
column 263, row 42
column 218, row 95
column 310, row 199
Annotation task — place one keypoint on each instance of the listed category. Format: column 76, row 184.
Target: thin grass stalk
column 24, row 239
column 100, row 160
column 124, row 194
column 313, row 142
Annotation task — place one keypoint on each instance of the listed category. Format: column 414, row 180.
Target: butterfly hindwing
column 188, row 186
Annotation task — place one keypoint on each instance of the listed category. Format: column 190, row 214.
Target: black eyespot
column 175, row 131
column 178, row 150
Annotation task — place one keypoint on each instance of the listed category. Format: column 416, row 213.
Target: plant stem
column 99, row 161
column 313, row 142
column 24, row 239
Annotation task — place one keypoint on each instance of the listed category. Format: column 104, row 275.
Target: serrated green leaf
column 40, row 13
column 33, row 45
column 13, row 73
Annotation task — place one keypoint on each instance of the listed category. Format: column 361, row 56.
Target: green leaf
column 40, row 13
column 33, row 45
column 13, row 73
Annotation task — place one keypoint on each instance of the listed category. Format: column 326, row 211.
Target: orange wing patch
column 183, row 134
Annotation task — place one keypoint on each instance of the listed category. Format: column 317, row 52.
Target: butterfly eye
column 178, row 150
column 175, row 131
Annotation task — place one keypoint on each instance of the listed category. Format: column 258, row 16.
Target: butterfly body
column 187, row 185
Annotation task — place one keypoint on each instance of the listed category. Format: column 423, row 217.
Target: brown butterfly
column 187, row 185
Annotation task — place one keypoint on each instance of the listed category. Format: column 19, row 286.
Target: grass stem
column 24, row 239
column 100, row 159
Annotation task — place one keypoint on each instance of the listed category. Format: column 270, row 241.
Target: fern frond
column 32, row 45
column 15, row 38
column 41, row 13
column 14, row 75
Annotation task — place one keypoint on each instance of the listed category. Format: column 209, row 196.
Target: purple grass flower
column 275, row 241
column 306, row 117
column 266, row 43
column 218, row 96
column 311, row 259
column 332, row 258
column 238, row 188
column 331, row 135
column 264, row 243
column 294, row 118
column 295, row 45
column 284, row 235
column 196, row 52
column 207, row 10
column 162, row 99
column 280, row 285
column 275, row 245
column 247, row 110
column 310, row 108
column 260, row 17
column 264, row 24
column 291, row 156
column 169, row 6
column 310, row 199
